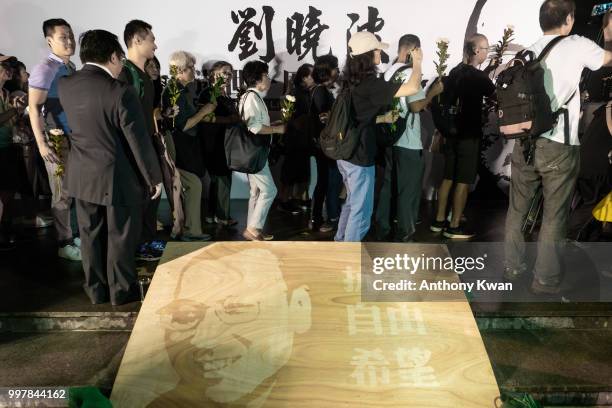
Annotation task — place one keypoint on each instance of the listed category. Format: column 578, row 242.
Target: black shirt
column 186, row 143
column 371, row 98
column 213, row 134
column 472, row 85
column 147, row 93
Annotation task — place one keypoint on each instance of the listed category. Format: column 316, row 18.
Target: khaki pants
column 60, row 202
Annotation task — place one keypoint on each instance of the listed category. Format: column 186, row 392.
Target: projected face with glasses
column 231, row 326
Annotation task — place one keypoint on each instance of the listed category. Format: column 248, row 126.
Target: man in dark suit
column 112, row 168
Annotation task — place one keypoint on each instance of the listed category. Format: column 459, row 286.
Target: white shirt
column 564, row 66
column 255, row 111
column 411, row 139
column 100, row 66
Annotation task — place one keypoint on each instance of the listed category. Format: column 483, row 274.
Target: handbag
column 245, row 151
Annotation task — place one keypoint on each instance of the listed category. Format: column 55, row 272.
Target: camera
column 601, row 9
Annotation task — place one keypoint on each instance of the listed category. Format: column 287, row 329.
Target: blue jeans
column 357, row 210
column 332, row 201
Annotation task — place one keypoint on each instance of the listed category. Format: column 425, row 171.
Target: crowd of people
column 112, row 135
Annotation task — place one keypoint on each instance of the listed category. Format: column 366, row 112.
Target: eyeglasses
column 186, row 314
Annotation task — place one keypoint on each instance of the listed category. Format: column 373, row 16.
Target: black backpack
column 340, row 136
column 524, row 109
column 445, row 108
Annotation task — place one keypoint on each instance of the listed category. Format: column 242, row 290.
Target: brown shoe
column 249, row 236
column 538, row 288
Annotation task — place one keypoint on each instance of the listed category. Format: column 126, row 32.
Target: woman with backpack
column 254, row 113
column 371, row 95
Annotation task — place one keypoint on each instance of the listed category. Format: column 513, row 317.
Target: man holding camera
column 557, row 157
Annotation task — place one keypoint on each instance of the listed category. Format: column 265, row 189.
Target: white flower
column 290, row 98
column 56, row 132
column 510, row 27
column 442, row 40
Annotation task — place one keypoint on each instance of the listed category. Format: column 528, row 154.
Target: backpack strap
column 136, row 81
column 244, row 98
column 549, row 47
column 312, row 93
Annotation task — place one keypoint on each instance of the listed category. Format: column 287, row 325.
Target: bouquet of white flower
column 288, row 108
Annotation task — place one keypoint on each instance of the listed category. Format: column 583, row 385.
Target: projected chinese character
column 371, row 367
column 413, row 371
column 351, row 280
column 373, row 25
column 405, row 320
column 364, row 319
column 303, row 33
column 243, row 37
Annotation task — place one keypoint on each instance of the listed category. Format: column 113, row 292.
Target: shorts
column 461, row 158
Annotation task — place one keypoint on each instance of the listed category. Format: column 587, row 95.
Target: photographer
column 11, row 157
column 557, row 152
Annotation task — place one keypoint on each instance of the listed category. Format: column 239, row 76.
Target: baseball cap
column 364, row 41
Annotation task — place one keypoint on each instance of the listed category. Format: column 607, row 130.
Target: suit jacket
column 112, row 160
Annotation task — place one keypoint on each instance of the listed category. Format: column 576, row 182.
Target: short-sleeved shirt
column 472, row 86
column 44, row 76
column 411, row 138
column 254, row 111
column 564, row 65
column 372, row 97
column 146, row 94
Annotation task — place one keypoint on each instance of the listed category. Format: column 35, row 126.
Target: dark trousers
column 400, row 194
column 149, row 221
column 555, row 168
column 218, row 196
column 327, row 189
column 109, row 238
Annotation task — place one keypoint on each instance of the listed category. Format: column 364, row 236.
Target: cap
column 364, row 41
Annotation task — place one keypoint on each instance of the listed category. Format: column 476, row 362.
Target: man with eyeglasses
column 462, row 151
column 113, row 168
column 228, row 345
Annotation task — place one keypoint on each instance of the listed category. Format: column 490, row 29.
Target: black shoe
column 148, row 255
column 458, row 233
column 289, row 207
column 512, row 274
column 315, row 225
column 405, row 238
column 329, row 226
column 438, row 226
column 539, row 288
column 129, row 297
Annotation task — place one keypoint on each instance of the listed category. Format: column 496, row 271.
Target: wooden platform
column 240, row 324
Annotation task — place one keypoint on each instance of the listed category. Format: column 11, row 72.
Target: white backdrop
column 206, row 28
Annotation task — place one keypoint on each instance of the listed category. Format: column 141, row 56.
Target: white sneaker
column 70, row 252
column 77, row 242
